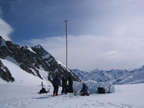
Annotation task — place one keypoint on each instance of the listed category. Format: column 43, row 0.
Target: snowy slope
column 22, row 77
column 20, row 96
column 23, row 93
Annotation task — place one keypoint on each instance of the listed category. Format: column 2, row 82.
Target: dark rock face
column 34, row 59
column 51, row 64
column 5, row 73
column 7, row 48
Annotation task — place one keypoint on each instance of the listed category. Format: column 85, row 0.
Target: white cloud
column 88, row 52
column 105, row 34
column 5, row 29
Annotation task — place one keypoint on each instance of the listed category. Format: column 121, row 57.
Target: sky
column 103, row 34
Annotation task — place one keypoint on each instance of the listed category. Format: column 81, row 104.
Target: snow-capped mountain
column 38, row 62
column 115, row 76
column 34, row 60
column 131, row 77
column 96, row 75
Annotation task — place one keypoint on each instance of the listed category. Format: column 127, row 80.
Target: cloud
column 5, row 30
column 87, row 52
column 87, row 17
column 102, row 34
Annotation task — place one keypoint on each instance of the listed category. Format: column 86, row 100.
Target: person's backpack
column 101, row 90
column 43, row 90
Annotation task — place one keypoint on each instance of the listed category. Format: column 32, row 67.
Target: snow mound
column 93, row 86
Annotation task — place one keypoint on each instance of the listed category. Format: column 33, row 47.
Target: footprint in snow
column 99, row 103
column 125, row 105
column 113, row 104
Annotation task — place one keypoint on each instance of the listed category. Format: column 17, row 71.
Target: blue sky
column 103, row 34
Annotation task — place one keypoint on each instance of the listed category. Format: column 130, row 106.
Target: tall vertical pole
column 66, row 46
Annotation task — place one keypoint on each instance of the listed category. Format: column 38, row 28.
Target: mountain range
column 115, row 76
column 32, row 60
column 40, row 63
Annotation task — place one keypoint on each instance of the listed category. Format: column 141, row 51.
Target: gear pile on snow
column 93, row 87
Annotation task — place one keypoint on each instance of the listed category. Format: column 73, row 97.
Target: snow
column 4, row 70
column 46, row 56
column 92, row 86
column 30, row 49
column 23, row 93
column 116, row 76
column 43, row 73
column 8, row 58
column 21, row 76
column 38, row 46
column 22, row 96
column 3, row 43
column 60, row 63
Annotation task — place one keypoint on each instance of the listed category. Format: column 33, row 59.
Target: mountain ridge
column 116, row 76
column 32, row 59
column 36, row 61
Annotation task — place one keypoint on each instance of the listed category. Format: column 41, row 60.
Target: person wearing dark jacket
column 64, row 85
column 56, row 82
column 84, row 90
column 70, row 85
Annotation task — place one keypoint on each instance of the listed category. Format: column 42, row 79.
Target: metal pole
column 66, row 46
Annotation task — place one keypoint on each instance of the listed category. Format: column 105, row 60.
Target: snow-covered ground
column 13, row 95
column 23, row 93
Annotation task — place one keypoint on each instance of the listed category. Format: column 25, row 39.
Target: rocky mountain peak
column 34, row 59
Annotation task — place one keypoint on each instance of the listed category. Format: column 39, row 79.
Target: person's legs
column 63, row 89
column 57, row 90
column 71, row 88
column 54, row 91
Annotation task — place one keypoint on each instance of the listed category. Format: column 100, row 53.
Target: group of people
column 66, row 88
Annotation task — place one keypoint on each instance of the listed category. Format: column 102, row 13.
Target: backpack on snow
column 101, row 90
column 43, row 90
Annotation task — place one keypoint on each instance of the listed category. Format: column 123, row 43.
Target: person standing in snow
column 70, row 85
column 64, row 85
column 84, row 90
column 56, row 82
